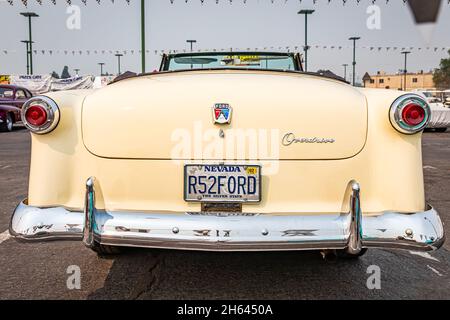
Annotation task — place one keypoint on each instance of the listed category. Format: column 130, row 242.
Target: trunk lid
column 275, row 116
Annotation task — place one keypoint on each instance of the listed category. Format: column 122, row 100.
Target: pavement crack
column 153, row 275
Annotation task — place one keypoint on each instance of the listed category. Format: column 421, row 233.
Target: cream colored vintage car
column 229, row 152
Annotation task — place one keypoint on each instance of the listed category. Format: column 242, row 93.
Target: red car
column 12, row 99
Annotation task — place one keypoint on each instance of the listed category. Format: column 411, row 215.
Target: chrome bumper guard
column 231, row 232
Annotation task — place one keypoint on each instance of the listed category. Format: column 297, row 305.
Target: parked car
column 12, row 99
column 440, row 115
column 14, row 95
column 229, row 152
column 8, row 116
column 447, row 98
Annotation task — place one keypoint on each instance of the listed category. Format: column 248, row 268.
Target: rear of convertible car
column 328, row 166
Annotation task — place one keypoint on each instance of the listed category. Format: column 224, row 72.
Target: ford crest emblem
column 222, row 113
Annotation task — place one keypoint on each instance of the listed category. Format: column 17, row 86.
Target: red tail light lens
column 413, row 114
column 36, row 115
column 410, row 114
column 40, row 115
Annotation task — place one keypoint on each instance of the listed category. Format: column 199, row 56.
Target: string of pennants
column 70, row 2
column 259, row 49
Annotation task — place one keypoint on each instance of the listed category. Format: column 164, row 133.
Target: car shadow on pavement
column 181, row 275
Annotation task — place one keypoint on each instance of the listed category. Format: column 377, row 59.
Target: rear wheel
column 103, row 250
column 8, row 125
column 342, row 254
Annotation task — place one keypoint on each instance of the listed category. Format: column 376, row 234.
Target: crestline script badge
column 290, row 139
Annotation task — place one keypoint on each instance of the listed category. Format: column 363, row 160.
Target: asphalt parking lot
column 39, row 271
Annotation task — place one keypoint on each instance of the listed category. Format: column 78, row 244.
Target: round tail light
column 40, row 115
column 36, row 115
column 410, row 114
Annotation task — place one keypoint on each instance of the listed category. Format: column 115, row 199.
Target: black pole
column 306, row 42
column 306, row 13
column 143, row 34
column 192, row 48
column 30, row 15
column 191, row 42
column 405, row 71
column 31, row 45
column 354, row 58
column 28, row 56
column 345, row 71
column 354, row 62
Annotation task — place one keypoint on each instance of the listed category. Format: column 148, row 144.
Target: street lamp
column 119, row 55
column 345, row 65
column 405, row 71
column 101, row 64
column 28, row 55
column 30, row 15
column 306, row 13
column 191, row 42
column 354, row 39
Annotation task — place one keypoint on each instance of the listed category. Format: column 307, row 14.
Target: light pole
column 405, row 71
column 30, row 15
column 191, row 42
column 345, row 65
column 354, row 39
column 101, row 64
column 143, row 34
column 28, row 55
column 306, row 13
column 119, row 55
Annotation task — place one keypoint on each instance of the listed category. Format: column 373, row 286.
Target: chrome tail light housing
column 40, row 115
column 410, row 114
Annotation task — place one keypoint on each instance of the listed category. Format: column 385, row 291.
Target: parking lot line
column 435, row 271
column 425, row 255
column 4, row 236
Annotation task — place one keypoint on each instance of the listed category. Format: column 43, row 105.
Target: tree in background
column 65, row 73
column 55, row 75
column 441, row 75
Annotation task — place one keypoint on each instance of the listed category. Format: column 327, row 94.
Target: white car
column 440, row 114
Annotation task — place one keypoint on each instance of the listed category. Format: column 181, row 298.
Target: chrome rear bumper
column 231, row 232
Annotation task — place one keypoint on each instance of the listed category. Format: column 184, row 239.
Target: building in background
column 421, row 80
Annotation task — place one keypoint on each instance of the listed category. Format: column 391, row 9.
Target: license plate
column 222, row 183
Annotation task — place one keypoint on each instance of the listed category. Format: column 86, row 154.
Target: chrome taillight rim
column 396, row 114
column 52, row 112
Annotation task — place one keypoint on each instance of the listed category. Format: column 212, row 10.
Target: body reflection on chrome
column 296, row 233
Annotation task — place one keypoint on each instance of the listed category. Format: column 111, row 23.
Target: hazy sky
column 259, row 23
